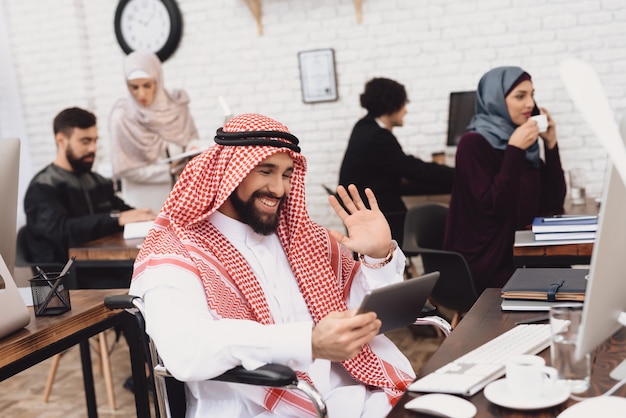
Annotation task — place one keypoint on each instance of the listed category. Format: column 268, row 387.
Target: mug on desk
column 439, row 157
column 577, row 186
column 528, row 377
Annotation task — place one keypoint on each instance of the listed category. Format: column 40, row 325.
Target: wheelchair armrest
column 273, row 375
column 119, row 301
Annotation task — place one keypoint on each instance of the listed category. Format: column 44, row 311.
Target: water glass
column 577, row 186
column 565, row 323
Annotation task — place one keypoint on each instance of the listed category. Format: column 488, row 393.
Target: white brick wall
column 66, row 54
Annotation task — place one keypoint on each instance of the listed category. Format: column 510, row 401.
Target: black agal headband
column 258, row 138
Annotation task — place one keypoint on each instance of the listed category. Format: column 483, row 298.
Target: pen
column 533, row 320
column 54, row 290
column 67, row 266
column 45, row 277
column 54, row 286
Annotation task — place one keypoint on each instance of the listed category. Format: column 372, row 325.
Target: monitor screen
column 605, row 298
column 462, row 108
column 9, row 173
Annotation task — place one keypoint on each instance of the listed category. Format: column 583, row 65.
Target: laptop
column 14, row 315
column 399, row 304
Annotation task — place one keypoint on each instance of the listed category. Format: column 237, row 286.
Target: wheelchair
column 169, row 392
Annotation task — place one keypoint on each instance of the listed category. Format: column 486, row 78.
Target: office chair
column 23, row 259
column 169, row 392
column 424, row 230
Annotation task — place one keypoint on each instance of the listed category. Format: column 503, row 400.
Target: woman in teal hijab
column 501, row 182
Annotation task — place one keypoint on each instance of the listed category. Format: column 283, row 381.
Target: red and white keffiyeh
column 183, row 237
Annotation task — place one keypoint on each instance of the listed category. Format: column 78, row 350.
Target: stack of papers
column 565, row 228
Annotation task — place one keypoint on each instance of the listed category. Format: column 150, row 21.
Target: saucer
column 603, row 406
column 497, row 392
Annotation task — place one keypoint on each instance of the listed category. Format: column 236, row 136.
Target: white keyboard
column 473, row 371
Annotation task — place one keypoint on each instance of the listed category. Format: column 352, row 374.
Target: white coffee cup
column 527, row 376
column 542, row 122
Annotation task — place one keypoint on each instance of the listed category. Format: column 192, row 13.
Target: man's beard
column 79, row 165
column 261, row 223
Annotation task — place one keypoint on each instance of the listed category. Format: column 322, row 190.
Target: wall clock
column 149, row 25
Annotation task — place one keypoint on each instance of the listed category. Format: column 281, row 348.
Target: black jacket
column 64, row 209
column 374, row 159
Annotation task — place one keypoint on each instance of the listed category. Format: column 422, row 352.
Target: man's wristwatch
column 115, row 214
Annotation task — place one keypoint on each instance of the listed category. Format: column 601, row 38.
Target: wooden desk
column 48, row 335
column 104, row 263
column 414, row 200
column 110, row 248
column 485, row 321
column 552, row 255
column 591, row 207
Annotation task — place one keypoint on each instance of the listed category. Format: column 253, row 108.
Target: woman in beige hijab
column 148, row 126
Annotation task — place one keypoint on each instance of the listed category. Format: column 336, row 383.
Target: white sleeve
column 368, row 278
column 194, row 346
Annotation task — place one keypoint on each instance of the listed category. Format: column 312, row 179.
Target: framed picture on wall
column 317, row 75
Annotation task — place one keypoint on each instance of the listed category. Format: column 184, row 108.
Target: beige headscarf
column 140, row 134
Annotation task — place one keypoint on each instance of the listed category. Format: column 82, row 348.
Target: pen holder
column 50, row 294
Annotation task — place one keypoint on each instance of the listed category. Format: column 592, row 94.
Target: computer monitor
column 9, row 177
column 604, row 310
column 462, row 109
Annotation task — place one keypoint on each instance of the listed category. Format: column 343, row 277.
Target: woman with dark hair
column 375, row 159
column 500, row 181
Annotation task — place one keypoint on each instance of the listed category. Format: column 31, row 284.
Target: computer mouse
column 442, row 405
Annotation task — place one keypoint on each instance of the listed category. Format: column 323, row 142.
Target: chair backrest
column 23, row 257
column 455, row 288
column 424, row 227
column 423, row 234
column 22, row 254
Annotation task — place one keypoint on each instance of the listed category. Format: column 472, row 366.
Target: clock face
column 145, row 25
column 148, row 25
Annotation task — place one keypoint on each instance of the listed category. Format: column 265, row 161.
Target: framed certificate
column 317, row 75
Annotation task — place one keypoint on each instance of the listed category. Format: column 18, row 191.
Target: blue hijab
column 492, row 119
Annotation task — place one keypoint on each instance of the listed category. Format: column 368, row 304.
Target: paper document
column 137, row 229
column 561, row 236
column 27, row 295
column 527, row 239
column 526, row 305
column 182, row 155
column 569, row 218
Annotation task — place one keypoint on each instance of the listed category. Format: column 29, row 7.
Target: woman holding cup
column 500, row 182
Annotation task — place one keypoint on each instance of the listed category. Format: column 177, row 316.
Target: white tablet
column 399, row 304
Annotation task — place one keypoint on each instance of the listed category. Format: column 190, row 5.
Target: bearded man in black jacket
column 66, row 203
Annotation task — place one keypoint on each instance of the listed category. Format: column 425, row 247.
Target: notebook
column 399, row 304
column 14, row 314
column 547, row 284
column 137, row 229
